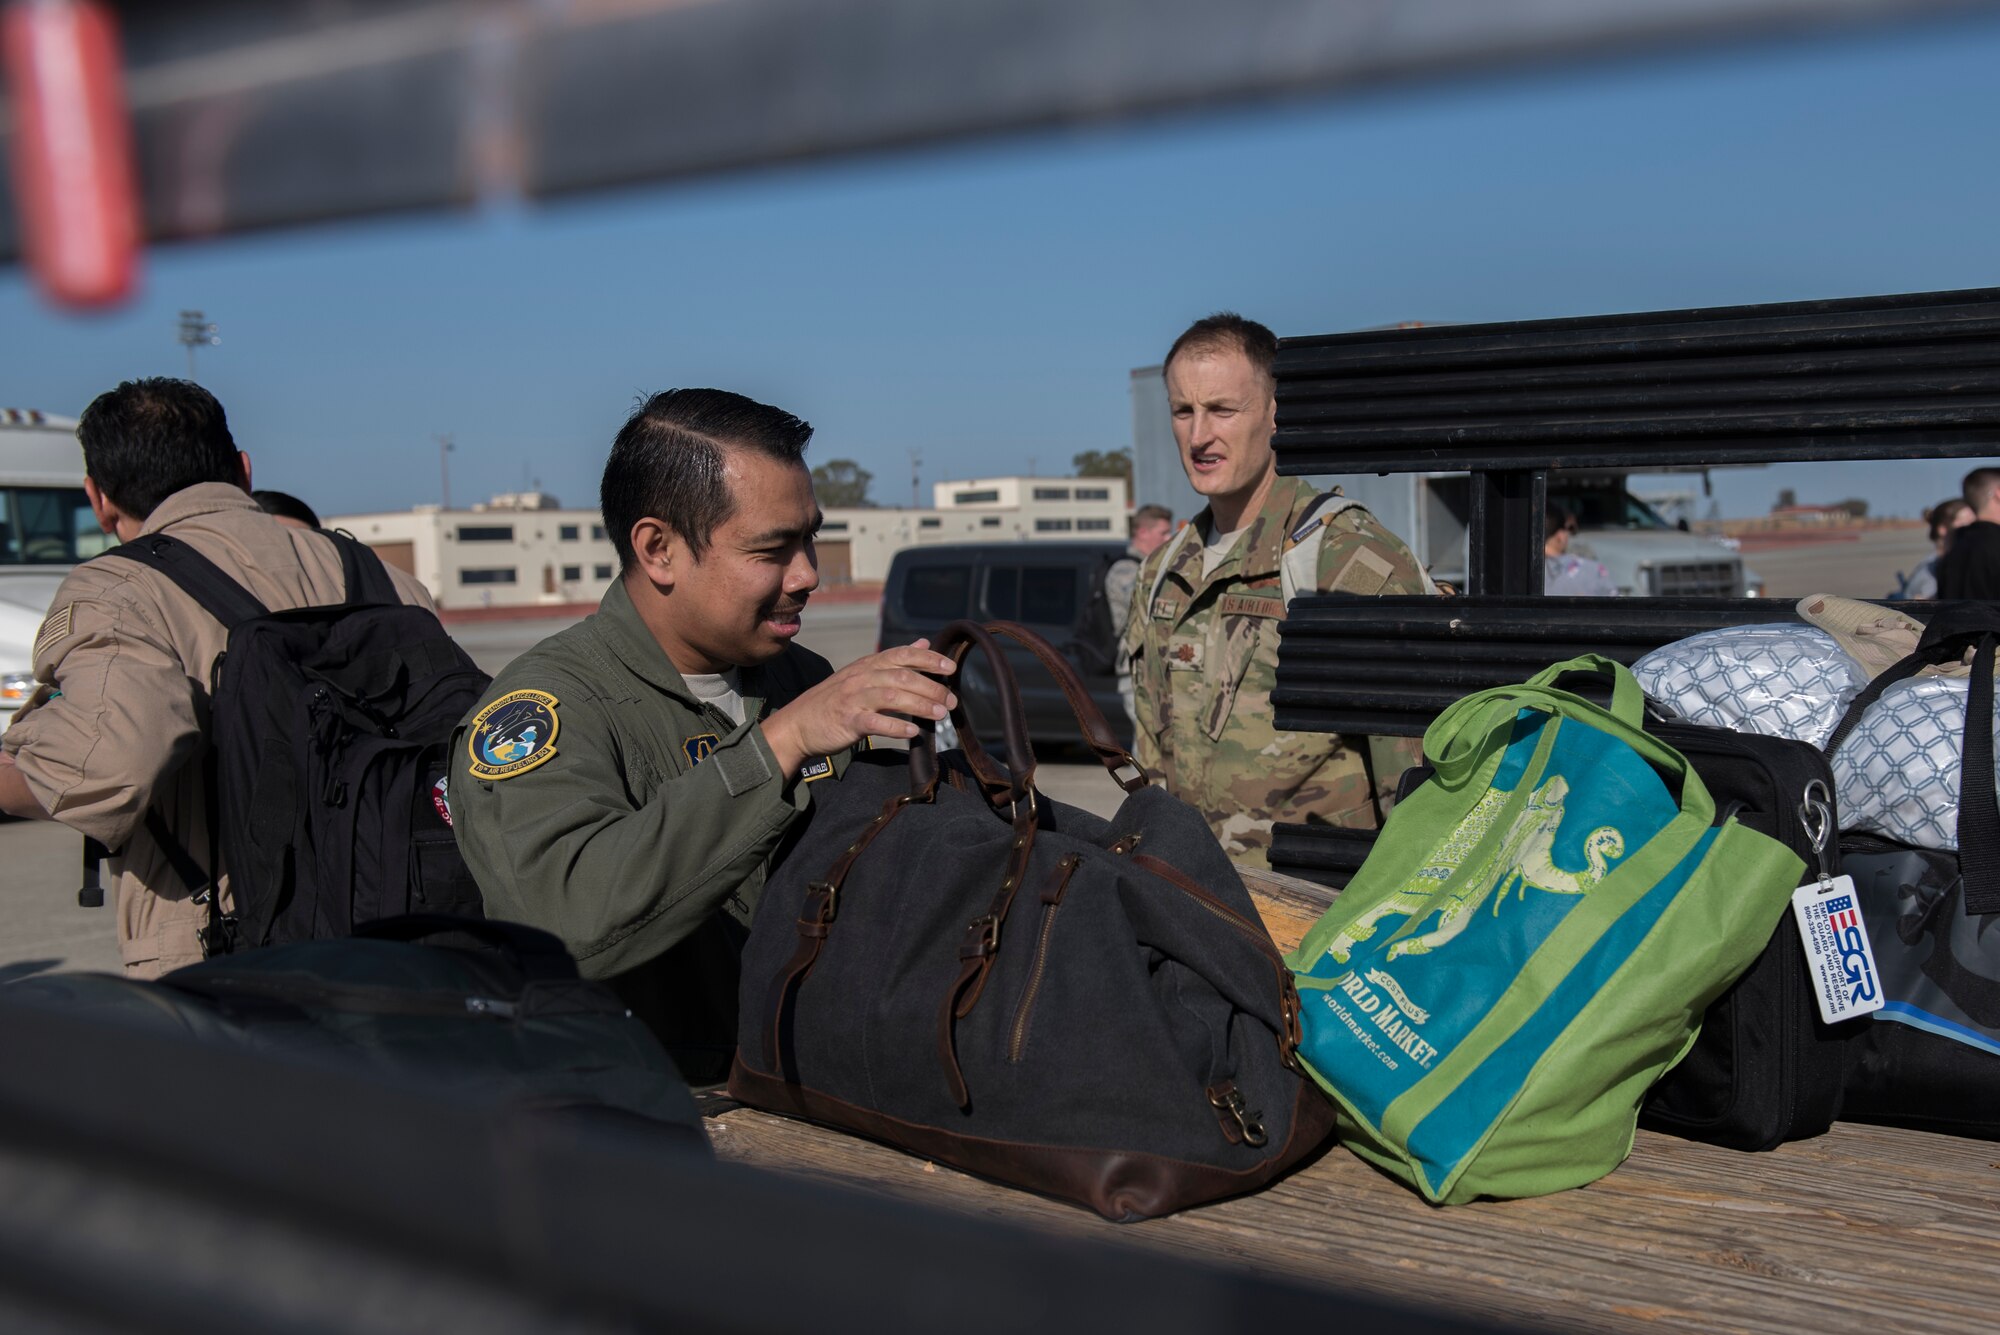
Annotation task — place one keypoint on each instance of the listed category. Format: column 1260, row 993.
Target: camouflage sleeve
column 1119, row 582
column 1132, row 644
column 1361, row 556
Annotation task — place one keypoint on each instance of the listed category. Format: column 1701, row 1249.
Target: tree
column 1856, row 507
column 1104, row 463
column 1787, row 498
column 842, row 482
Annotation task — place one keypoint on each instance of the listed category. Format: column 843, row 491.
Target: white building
column 518, row 550
column 857, row 544
column 523, row 550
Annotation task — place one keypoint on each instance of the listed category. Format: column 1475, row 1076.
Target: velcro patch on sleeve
column 1365, row 573
column 816, row 768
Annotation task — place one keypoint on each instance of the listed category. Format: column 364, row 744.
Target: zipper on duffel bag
column 1017, row 1043
column 1052, row 899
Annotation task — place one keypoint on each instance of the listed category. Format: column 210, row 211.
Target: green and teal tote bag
column 1531, row 943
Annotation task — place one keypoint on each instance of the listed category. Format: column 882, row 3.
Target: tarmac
column 42, row 927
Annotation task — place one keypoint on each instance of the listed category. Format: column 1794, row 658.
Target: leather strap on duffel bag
column 948, row 961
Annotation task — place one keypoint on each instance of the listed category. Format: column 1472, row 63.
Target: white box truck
column 46, row 526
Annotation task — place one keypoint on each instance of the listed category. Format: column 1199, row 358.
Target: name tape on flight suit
column 702, row 746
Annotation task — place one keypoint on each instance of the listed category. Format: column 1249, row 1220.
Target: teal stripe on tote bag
column 1531, row 943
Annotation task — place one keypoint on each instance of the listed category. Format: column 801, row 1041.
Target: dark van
column 1054, row 588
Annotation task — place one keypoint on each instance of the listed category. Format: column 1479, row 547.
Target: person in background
column 1565, row 573
column 1203, row 640
column 1944, row 518
column 627, row 783
column 1970, row 566
column 286, row 508
column 1152, row 525
column 111, row 743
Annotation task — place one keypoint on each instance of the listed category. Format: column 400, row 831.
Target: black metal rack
column 1895, row 377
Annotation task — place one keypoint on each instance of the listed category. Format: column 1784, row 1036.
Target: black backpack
column 326, row 759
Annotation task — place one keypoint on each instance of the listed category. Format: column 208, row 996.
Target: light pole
column 196, row 331
column 445, row 446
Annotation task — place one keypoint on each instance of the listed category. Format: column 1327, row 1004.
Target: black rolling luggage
column 492, row 1012
column 1765, row 1069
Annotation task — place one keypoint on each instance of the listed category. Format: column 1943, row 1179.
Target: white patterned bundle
column 1897, row 773
column 1781, row 680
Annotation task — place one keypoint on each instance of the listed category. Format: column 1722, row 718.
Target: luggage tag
column 1838, row 954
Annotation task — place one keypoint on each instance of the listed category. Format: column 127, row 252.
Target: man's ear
column 657, row 552
column 107, row 512
column 243, row 466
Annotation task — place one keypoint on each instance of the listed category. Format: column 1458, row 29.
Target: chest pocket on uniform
column 1245, row 622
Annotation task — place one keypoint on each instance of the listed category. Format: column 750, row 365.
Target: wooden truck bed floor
column 1865, row 1228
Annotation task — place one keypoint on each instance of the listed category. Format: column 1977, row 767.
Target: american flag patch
column 54, row 628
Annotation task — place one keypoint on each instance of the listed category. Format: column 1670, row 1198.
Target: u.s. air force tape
column 512, row 735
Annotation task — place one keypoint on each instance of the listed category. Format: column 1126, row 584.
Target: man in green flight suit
column 1202, row 636
column 627, row 783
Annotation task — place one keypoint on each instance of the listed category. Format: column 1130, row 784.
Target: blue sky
column 982, row 303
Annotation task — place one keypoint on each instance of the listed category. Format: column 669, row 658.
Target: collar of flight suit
column 628, row 636
column 203, row 498
column 1260, row 553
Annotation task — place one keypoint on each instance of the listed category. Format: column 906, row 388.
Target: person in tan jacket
column 124, row 658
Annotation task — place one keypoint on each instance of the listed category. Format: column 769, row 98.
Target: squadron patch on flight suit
column 700, row 748
column 512, row 735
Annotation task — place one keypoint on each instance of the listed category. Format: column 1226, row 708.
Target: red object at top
column 72, row 150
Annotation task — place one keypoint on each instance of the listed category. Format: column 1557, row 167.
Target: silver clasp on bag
column 1816, row 815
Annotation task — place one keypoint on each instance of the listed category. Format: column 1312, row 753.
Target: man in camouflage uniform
column 1202, row 637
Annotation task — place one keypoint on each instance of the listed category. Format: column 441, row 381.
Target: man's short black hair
column 148, row 439
column 667, row 461
column 1980, row 484
column 284, row 505
column 1226, row 331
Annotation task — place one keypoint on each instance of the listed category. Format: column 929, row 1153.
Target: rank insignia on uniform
column 816, row 768
column 700, row 748
column 512, row 735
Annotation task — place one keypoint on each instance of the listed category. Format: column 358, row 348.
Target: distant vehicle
column 1054, row 588
column 46, row 526
column 1645, row 554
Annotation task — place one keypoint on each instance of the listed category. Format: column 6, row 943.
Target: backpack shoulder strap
column 367, row 578
column 198, row 577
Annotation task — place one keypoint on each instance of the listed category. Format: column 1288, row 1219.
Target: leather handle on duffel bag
column 1090, row 721
column 1002, row 790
